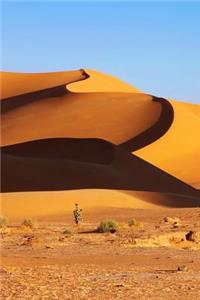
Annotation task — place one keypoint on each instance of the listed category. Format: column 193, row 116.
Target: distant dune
column 72, row 135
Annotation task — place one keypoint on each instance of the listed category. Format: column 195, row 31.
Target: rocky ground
column 154, row 259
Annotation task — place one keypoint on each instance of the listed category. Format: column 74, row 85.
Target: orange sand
column 99, row 107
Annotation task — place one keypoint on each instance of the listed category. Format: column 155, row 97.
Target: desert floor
column 150, row 260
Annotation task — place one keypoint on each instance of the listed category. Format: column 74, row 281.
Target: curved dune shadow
column 66, row 164
column 11, row 103
column 81, row 150
column 156, row 131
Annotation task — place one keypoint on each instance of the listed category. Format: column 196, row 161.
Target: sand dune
column 55, row 203
column 16, row 206
column 14, row 84
column 181, row 136
column 115, row 117
column 64, row 167
column 156, row 131
column 58, row 135
column 100, row 82
column 178, row 151
column 45, row 165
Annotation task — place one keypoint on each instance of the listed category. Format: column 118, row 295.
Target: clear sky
column 153, row 45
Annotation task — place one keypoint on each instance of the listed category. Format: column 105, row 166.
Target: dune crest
column 100, row 82
column 14, row 84
column 62, row 133
column 117, row 116
column 182, row 156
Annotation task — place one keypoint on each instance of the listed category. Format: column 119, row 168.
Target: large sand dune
column 75, row 137
column 178, row 151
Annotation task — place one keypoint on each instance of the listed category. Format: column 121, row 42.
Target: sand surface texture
column 86, row 137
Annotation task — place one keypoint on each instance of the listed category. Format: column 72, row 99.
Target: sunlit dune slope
column 178, row 151
column 99, row 107
column 13, row 84
column 56, row 203
column 16, row 206
column 38, row 204
column 100, row 82
column 115, row 117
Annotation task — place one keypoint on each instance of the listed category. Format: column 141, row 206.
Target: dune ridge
column 54, row 117
column 180, row 146
column 156, row 131
column 15, row 84
column 94, row 84
column 63, row 133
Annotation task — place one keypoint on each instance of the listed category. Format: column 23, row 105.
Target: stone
column 173, row 221
column 193, row 236
column 182, row 268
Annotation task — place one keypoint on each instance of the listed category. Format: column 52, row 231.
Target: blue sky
column 153, row 45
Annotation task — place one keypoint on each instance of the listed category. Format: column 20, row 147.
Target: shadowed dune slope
column 92, row 150
column 66, row 167
column 153, row 133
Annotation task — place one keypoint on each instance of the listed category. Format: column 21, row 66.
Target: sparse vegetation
column 67, row 232
column 107, row 226
column 132, row 222
column 30, row 223
column 3, row 222
column 77, row 214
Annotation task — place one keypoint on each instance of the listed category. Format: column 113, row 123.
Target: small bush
column 107, row 226
column 67, row 232
column 30, row 223
column 132, row 222
column 3, row 222
column 77, row 214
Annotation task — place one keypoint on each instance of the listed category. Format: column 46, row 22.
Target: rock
column 190, row 236
column 176, row 225
column 61, row 239
column 182, row 268
column 49, row 247
column 4, row 230
column 2, row 271
column 28, row 240
column 118, row 285
column 193, row 236
column 174, row 221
